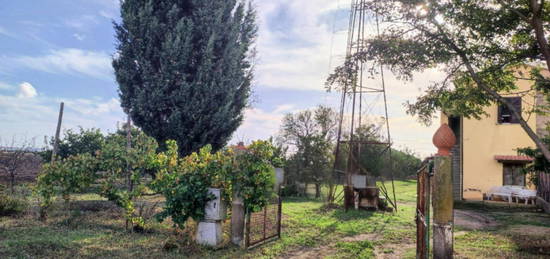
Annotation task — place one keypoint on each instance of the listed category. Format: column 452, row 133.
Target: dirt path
column 473, row 220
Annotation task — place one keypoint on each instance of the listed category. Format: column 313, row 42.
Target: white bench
column 525, row 194
column 506, row 191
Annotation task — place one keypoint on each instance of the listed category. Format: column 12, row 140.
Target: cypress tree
column 184, row 68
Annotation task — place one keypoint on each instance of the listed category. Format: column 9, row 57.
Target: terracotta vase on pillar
column 444, row 139
column 442, row 201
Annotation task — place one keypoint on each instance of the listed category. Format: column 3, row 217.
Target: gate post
column 423, row 210
column 237, row 219
column 442, row 200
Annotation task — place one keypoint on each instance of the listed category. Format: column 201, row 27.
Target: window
column 513, row 174
column 505, row 115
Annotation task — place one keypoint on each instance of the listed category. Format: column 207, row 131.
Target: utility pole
column 442, row 200
column 57, row 132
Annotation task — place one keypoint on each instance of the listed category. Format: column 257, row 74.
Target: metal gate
column 423, row 198
column 264, row 225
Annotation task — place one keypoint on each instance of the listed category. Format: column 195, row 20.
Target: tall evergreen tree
column 184, row 68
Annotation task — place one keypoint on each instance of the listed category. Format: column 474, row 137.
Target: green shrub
column 290, row 191
column 10, row 206
column 186, row 181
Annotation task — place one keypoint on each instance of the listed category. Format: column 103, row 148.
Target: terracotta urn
column 444, row 139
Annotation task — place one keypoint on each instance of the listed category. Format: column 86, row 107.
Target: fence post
column 421, row 224
column 442, row 200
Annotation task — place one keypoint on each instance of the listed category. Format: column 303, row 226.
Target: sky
column 54, row 51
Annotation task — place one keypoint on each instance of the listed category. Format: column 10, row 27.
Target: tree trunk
column 12, row 183
column 536, row 22
column 479, row 82
column 530, row 132
column 306, row 185
column 317, row 190
column 330, row 195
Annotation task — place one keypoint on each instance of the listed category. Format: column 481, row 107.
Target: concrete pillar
column 209, row 231
column 237, row 220
column 442, row 200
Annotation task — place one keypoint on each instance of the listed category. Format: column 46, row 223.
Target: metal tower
column 356, row 104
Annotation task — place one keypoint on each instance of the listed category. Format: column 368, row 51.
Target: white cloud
column 82, row 22
column 5, row 32
column 261, row 124
column 5, row 86
column 67, row 61
column 26, row 90
column 108, row 14
column 93, row 107
column 36, row 117
column 295, row 46
column 79, row 36
column 298, row 49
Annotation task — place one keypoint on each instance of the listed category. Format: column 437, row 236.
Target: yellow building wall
column 485, row 138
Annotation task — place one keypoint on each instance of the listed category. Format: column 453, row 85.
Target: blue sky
column 60, row 50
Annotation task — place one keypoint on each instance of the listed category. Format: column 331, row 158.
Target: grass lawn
column 309, row 231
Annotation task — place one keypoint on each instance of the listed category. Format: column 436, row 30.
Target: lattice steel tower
column 358, row 98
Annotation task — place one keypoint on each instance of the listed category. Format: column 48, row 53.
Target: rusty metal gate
column 264, row 225
column 423, row 198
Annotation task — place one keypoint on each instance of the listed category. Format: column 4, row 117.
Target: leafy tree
column 185, row 68
column 118, row 170
column 311, row 133
column 85, row 141
column 65, row 177
column 405, row 163
column 479, row 45
column 124, row 169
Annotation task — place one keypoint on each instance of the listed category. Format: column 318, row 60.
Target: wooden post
column 442, row 200
column 421, row 209
column 57, row 132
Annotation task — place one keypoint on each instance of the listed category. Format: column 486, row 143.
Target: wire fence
column 264, row 225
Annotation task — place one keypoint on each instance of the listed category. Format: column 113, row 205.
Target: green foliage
column 184, row 68
column 11, row 205
column 476, row 44
column 278, row 159
column 311, row 133
column 540, row 163
column 185, row 182
column 118, row 171
column 124, row 170
column 253, row 176
column 85, row 141
column 121, row 174
column 65, row 177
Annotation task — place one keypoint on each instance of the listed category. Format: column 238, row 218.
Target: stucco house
column 485, row 155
